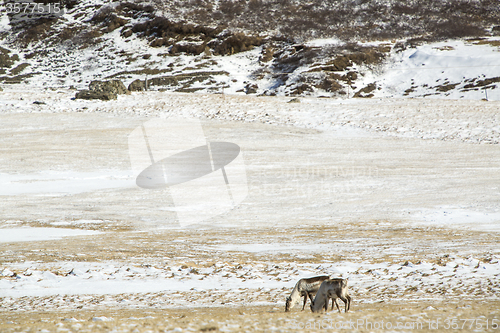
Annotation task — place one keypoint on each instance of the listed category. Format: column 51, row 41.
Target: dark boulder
column 114, row 86
column 251, row 88
column 137, row 85
column 89, row 94
column 103, row 90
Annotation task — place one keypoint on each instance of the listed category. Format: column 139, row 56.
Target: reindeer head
column 287, row 304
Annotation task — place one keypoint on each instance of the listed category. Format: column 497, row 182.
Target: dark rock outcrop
column 114, row 86
column 103, row 90
column 137, row 85
column 89, row 94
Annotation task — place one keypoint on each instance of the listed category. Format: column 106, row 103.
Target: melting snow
column 24, row 234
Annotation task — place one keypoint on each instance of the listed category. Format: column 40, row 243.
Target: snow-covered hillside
column 97, row 40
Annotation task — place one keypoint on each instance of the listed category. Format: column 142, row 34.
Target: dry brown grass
column 488, row 42
column 257, row 318
column 121, row 242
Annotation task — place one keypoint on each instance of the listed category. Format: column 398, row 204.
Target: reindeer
column 306, row 288
column 332, row 288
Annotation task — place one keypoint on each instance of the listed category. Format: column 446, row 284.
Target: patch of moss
column 185, row 79
column 19, row 68
column 16, row 79
column 481, row 83
column 7, row 61
column 446, row 87
column 366, row 91
column 235, row 43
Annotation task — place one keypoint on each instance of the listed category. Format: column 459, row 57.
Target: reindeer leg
column 347, row 302
column 305, row 300
column 327, row 300
column 335, row 301
column 311, row 296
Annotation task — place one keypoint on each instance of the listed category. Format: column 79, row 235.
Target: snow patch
column 64, row 182
column 24, row 234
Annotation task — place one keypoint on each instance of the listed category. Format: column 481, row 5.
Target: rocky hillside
column 349, row 48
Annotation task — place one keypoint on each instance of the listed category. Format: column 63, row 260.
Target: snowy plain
column 389, row 163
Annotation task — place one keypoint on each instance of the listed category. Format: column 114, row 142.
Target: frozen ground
column 399, row 195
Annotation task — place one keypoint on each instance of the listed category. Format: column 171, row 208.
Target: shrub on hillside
column 234, row 43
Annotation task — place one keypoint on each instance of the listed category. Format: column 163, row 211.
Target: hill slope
column 340, row 49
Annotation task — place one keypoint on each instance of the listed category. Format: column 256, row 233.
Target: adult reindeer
column 306, row 288
column 332, row 288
